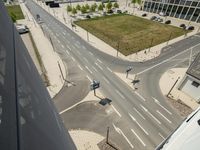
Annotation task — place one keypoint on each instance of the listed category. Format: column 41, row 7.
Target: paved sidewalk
column 86, row 140
column 48, row 56
column 167, row 81
column 61, row 15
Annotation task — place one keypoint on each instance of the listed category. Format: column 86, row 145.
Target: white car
column 22, row 28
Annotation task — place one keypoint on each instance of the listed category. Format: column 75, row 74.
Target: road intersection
column 144, row 116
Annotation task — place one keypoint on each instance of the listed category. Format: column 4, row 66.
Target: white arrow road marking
column 138, row 138
column 120, row 132
column 138, row 124
column 116, row 111
column 150, row 114
column 120, row 94
column 157, row 101
column 163, row 116
column 139, row 113
column 140, row 96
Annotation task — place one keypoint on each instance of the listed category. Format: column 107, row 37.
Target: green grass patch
column 129, row 34
column 15, row 12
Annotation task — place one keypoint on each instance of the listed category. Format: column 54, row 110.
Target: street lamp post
column 151, row 44
column 172, row 87
column 169, row 38
column 128, row 70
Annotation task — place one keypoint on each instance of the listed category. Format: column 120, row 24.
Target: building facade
column 182, row 9
column 191, row 82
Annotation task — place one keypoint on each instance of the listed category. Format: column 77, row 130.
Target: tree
column 139, row 2
column 87, row 7
column 83, row 9
column 92, row 8
column 134, row 1
column 78, row 7
column 116, row 5
column 95, row 5
column 74, row 11
column 69, row 8
column 100, row 7
column 103, row 5
column 109, row 5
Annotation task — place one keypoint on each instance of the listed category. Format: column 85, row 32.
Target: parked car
column 168, row 22
column 110, row 11
column 183, row 26
column 160, row 20
column 153, row 18
column 144, row 15
column 119, row 11
column 88, row 16
column 190, row 28
column 22, row 28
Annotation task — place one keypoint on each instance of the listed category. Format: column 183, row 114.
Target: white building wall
column 190, row 89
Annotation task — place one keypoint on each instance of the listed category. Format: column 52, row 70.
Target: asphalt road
column 145, row 118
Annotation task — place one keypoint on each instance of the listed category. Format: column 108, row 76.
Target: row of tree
column 87, row 8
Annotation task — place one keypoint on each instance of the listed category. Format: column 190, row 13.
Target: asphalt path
column 144, row 116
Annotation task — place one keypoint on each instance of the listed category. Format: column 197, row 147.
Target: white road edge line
column 150, row 114
column 88, row 69
column 138, row 124
column 161, row 135
column 120, row 94
column 157, row 101
column 138, row 138
column 163, row 116
column 73, row 58
column 164, row 61
column 139, row 96
column 116, row 111
column 139, row 113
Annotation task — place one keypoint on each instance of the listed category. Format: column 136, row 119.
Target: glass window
column 196, row 84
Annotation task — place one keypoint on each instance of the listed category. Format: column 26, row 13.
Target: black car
column 183, row 26
column 88, row 17
column 190, row 28
column 144, row 15
column 110, row 11
column 153, row 18
column 168, row 22
column 119, row 11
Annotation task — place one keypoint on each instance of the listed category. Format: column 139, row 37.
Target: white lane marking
column 138, row 138
column 99, row 66
column 68, row 47
column 84, row 47
column 138, row 124
column 73, row 58
column 109, row 69
column 139, row 113
column 91, row 53
column 58, row 41
column 94, row 69
column 164, row 61
column 99, row 60
column 62, row 46
column 67, row 52
column 88, row 69
column 116, row 111
column 57, row 34
column 163, row 116
column 120, row 94
column 89, row 78
column 120, row 132
column 139, row 96
column 157, row 101
column 80, row 67
column 85, row 59
column 106, row 80
column 150, row 114
column 63, row 33
column 78, row 52
column 161, row 135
